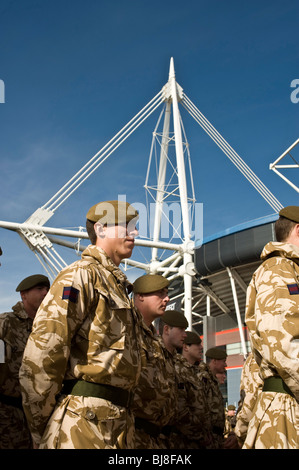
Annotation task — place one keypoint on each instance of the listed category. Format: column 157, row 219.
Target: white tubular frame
column 274, row 166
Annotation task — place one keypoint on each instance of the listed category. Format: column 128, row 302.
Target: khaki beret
column 216, row 353
column 112, row 212
column 149, row 283
column 175, row 318
column 231, row 407
column 291, row 213
column 32, row 281
column 192, row 338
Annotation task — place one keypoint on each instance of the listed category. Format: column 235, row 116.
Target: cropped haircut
column 90, row 231
column 283, row 228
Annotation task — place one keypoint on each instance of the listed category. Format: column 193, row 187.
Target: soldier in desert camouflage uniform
column 272, row 317
column 82, row 358
column 193, row 421
column 15, row 328
column 230, row 420
column 154, row 403
column 250, row 385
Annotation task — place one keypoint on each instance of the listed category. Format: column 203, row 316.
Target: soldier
column 172, row 329
column 215, row 364
column 82, row 359
column 272, row 317
column 15, row 328
column 230, row 420
column 193, row 421
column 154, row 402
column 250, row 386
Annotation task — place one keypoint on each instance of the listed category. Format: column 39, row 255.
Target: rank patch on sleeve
column 71, row 294
column 293, row 289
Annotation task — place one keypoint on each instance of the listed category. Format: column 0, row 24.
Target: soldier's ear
column 23, row 294
column 140, row 297
column 99, row 230
column 167, row 328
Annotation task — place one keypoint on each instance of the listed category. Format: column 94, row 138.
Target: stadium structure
column 208, row 282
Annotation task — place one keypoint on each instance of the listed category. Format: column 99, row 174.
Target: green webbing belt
column 150, row 428
column 153, row 429
column 276, row 384
column 11, row 401
column 116, row 395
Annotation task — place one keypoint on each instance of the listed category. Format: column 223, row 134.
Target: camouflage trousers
column 144, row 441
column 275, row 423
column 14, row 433
column 181, row 441
column 88, row 423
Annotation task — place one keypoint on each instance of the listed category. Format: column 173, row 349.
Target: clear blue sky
column 76, row 72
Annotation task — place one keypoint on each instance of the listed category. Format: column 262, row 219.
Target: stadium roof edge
column 239, row 228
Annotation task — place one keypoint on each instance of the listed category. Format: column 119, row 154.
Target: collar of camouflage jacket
column 20, row 311
column 286, row 250
column 100, row 255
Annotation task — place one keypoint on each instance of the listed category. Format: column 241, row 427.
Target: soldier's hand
column 231, row 442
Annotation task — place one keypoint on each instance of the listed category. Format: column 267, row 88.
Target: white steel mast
column 188, row 246
column 172, row 95
column 180, row 263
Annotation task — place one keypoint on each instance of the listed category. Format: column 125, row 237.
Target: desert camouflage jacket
column 272, row 314
column 85, row 328
column 155, row 396
column 250, row 385
column 15, row 328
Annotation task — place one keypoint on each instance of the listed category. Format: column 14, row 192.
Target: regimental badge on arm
column 293, row 289
column 71, row 294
